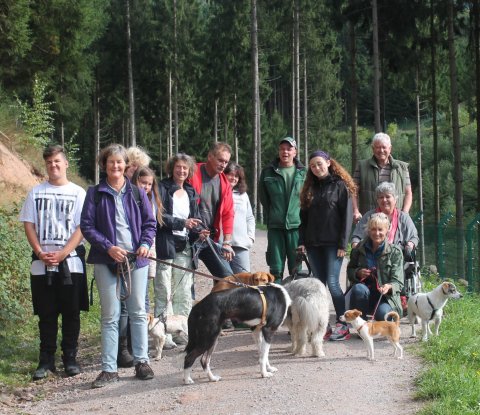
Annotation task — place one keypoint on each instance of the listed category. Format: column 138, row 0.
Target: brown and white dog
column 248, row 278
column 159, row 327
column 368, row 330
column 429, row 306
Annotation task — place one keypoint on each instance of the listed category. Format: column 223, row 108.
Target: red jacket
column 224, row 217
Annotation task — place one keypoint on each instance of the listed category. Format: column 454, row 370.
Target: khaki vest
column 369, row 172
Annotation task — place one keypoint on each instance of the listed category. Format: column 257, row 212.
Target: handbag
column 298, row 272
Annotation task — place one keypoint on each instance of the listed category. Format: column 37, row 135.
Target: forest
column 176, row 75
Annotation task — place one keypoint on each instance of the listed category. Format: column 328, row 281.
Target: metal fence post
column 469, row 236
column 441, row 244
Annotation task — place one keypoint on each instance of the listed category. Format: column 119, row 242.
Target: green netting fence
column 454, row 252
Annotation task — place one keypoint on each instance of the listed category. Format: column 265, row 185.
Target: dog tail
column 310, row 313
column 394, row 315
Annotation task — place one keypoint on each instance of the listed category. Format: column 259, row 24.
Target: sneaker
column 328, row 333
column 340, row 332
column 143, row 371
column 104, row 378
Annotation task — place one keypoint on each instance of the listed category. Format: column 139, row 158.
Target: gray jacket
column 406, row 230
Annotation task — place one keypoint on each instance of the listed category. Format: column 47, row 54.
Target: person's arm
column 250, row 220
column 356, row 213
column 407, row 201
column 58, row 256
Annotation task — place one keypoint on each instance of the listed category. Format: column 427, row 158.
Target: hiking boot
column 124, row 358
column 143, row 371
column 70, row 363
column 105, row 378
column 46, row 366
column 340, row 332
column 328, row 333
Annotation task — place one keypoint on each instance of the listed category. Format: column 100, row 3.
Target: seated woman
column 376, row 270
column 402, row 230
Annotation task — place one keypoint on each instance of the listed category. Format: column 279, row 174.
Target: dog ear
column 357, row 312
column 271, row 277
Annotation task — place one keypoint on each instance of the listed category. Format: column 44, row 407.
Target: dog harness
column 263, row 320
column 434, row 310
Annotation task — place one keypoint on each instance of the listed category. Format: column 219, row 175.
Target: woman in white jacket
column 244, row 223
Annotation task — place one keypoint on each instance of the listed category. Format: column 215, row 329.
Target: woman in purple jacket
column 116, row 219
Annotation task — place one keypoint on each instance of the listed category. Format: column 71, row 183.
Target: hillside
column 17, row 177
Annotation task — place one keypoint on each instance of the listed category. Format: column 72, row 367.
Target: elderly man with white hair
column 382, row 167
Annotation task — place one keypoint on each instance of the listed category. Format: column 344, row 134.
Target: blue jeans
column 365, row 301
column 326, row 267
column 215, row 263
column 241, row 260
column 110, row 315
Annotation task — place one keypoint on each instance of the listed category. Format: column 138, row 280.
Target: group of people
column 140, row 229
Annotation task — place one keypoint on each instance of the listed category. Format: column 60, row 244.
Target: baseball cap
column 289, row 140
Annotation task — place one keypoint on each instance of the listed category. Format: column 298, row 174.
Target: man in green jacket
column 279, row 192
column 382, row 167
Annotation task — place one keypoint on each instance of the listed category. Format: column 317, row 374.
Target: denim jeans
column 241, row 260
column 215, row 263
column 173, row 280
column 326, row 267
column 365, row 301
column 110, row 315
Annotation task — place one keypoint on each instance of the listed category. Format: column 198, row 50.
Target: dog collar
column 263, row 320
column 361, row 327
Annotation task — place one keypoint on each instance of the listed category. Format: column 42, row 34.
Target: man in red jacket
column 216, row 206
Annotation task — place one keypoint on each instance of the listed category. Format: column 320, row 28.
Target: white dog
column 307, row 318
column 429, row 306
column 159, row 327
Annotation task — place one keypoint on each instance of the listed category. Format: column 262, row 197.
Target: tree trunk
column 131, row 94
column 305, row 110
column 225, row 119
column 294, row 122
column 215, row 121
column 353, row 98
column 433, row 77
column 376, row 69
column 96, row 132
column 296, row 31
column 476, row 20
column 419, row 161
column 62, row 133
column 170, row 117
column 175, row 75
column 456, row 141
column 235, row 136
column 256, row 106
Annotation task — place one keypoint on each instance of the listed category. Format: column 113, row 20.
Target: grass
column 450, row 381
column 19, row 351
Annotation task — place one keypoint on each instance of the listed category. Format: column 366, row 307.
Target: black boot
column 46, row 366
column 70, row 364
column 124, row 358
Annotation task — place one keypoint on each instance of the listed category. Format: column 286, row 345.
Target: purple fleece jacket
column 99, row 227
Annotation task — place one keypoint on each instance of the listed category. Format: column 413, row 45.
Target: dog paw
column 272, row 369
column 215, row 378
column 267, row 375
column 157, row 358
column 319, row 354
column 188, row 381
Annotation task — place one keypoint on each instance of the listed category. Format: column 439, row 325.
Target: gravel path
column 343, row 382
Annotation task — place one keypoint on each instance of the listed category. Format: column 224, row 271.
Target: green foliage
column 15, row 271
column 37, row 117
column 451, row 380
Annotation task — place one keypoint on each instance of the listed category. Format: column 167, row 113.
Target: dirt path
column 342, row 383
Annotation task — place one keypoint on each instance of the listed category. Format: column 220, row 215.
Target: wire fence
column 453, row 251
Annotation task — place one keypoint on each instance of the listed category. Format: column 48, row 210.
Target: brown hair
column 147, row 172
column 53, row 150
column 218, row 147
column 181, row 157
column 335, row 169
column 233, row 167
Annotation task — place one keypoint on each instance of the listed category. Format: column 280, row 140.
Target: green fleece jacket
column 280, row 211
column 389, row 270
